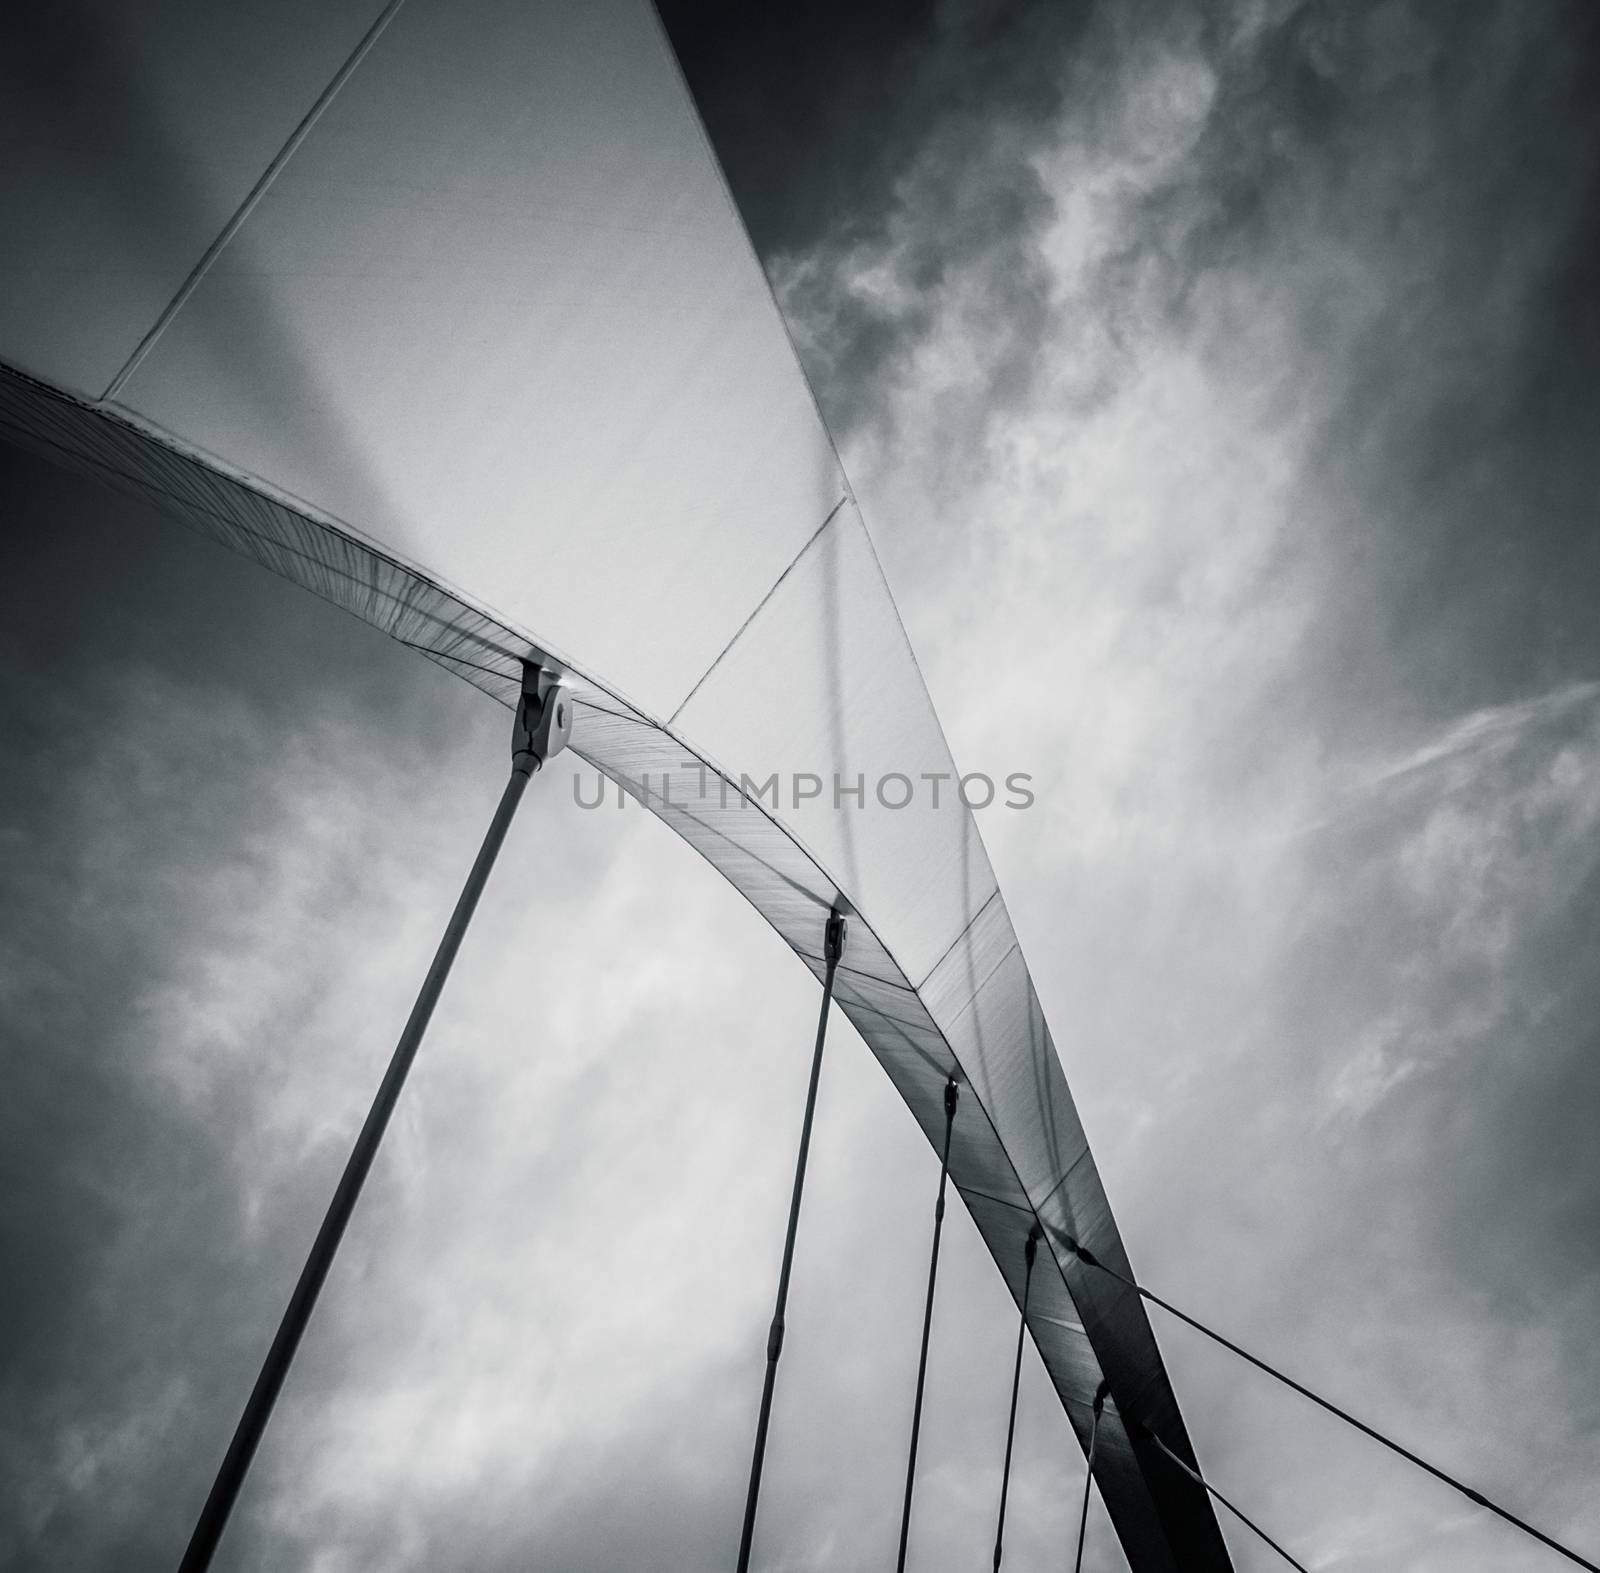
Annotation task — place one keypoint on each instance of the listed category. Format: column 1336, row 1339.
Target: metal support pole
column 543, row 724
column 951, row 1094
column 1016, row 1379
column 833, row 948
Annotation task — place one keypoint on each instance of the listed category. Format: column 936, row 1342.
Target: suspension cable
column 951, row 1094
column 1088, row 1478
column 1089, row 1259
column 540, row 730
column 1029, row 1251
column 833, row 949
column 1194, row 1474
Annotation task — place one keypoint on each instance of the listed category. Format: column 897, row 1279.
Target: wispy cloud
column 1265, row 533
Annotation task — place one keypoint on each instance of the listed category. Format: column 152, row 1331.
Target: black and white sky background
column 1219, row 385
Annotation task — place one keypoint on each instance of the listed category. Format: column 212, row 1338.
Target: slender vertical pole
column 1016, row 1379
column 833, row 948
column 1088, row 1479
column 532, row 743
column 951, row 1094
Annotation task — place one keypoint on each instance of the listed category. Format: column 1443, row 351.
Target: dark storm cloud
column 1456, row 147
column 147, row 1200
column 833, row 121
column 816, row 111
column 1455, row 152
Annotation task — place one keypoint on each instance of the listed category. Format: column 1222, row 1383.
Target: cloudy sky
column 1218, row 385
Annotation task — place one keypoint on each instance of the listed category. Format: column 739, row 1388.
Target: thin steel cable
column 1091, row 1260
column 263, row 1398
column 833, row 948
column 1029, row 1252
column 951, row 1094
column 1088, row 1478
column 1250, row 1524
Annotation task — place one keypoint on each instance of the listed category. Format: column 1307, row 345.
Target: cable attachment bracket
column 833, row 938
column 1081, row 1251
column 543, row 726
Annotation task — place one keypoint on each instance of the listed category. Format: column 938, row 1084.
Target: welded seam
column 1050, row 1195
column 247, row 207
column 816, row 535
column 966, row 929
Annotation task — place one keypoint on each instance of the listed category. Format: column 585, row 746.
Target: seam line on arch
column 699, row 682
column 901, row 1031
column 1051, row 1194
column 966, row 928
column 978, row 988
column 989, row 1196
column 248, row 206
column 858, row 1001
column 856, row 972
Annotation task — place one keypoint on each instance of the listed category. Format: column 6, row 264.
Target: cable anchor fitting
column 1082, row 1252
column 833, row 938
column 543, row 725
